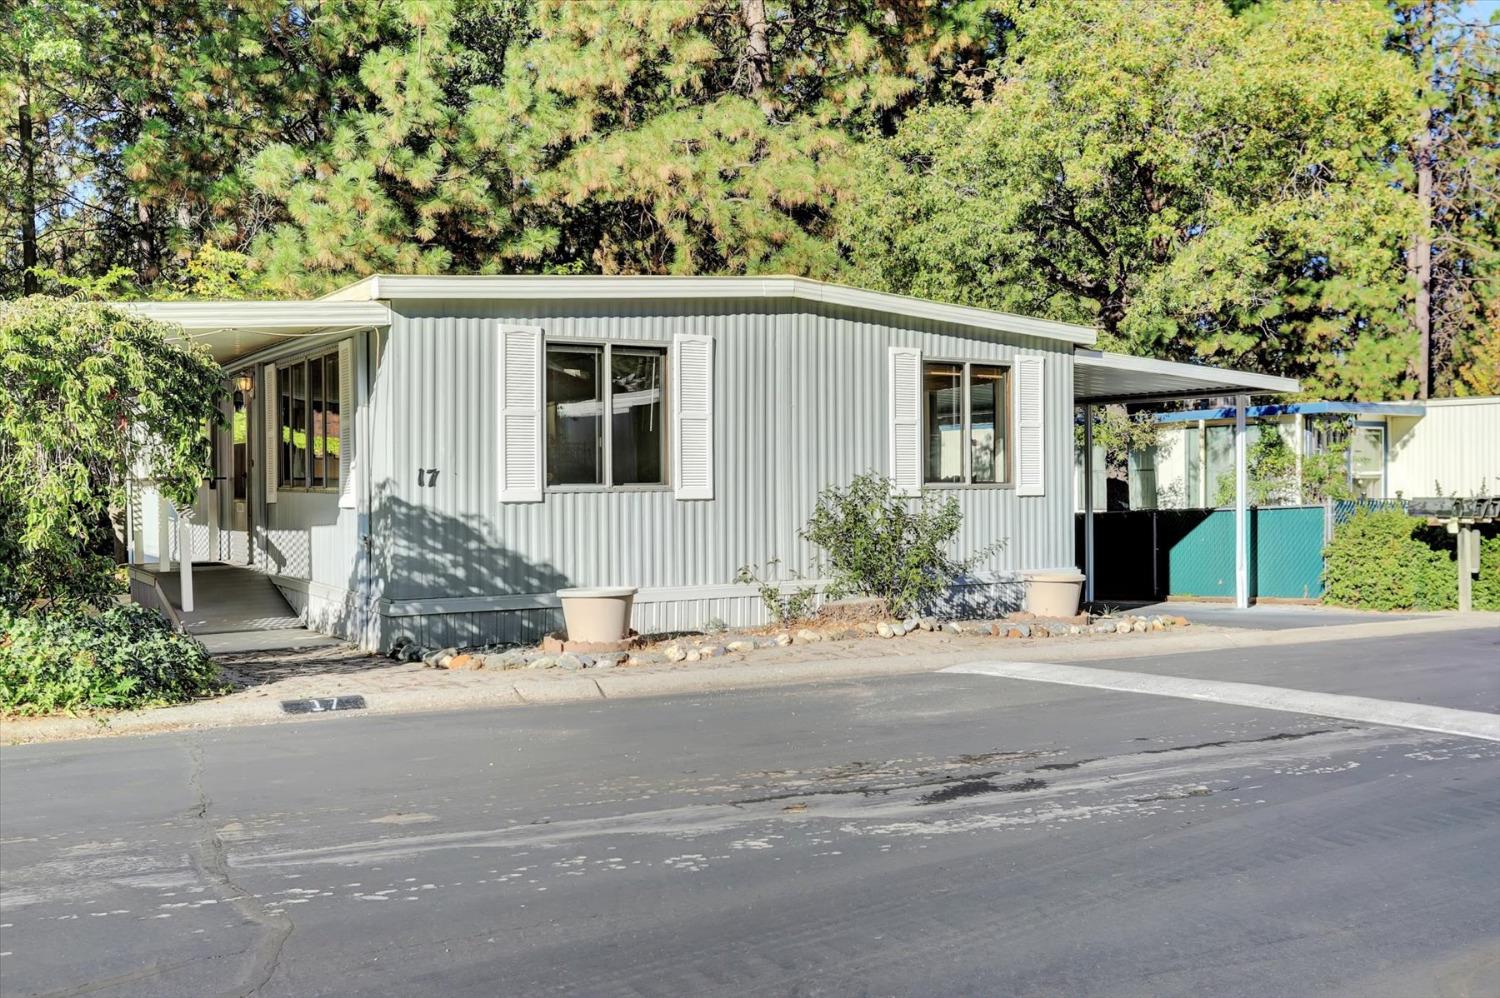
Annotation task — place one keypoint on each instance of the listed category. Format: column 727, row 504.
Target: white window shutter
column 520, row 379
column 693, row 416
column 906, row 419
column 1030, row 408
column 273, row 430
column 347, row 456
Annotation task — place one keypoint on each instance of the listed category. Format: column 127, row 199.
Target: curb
column 527, row 690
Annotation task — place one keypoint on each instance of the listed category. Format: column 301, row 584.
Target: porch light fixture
column 243, row 383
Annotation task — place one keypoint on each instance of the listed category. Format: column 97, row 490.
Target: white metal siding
column 801, row 402
column 1455, row 446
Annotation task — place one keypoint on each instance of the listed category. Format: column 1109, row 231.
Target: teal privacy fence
column 1156, row 553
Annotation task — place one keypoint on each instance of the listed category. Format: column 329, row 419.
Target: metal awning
column 1100, row 377
column 233, row 330
column 1412, row 409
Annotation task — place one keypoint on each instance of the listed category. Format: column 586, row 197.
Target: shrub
column 71, row 660
column 881, row 544
column 785, row 605
column 1386, row 560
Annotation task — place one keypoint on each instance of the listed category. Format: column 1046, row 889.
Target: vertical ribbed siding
column 800, row 403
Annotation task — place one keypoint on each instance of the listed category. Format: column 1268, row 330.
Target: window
column 583, row 382
column 964, row 409
column 1367, row 461
column 309, row 408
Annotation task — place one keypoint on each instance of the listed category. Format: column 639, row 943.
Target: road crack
column 211, row 861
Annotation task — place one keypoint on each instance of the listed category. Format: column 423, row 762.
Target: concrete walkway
column 237, row 609
column 389, row 687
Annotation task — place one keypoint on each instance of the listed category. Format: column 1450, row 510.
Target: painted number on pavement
column 318, row 705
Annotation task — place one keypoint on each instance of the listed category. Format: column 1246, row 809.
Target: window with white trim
column 964, row 424
column 308, row 416
column 605, row 415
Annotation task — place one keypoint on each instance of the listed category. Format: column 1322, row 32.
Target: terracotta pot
column 1053, row 594
column 598, row 615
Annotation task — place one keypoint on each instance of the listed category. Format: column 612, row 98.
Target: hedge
column 1386, row 560
column 69, row 660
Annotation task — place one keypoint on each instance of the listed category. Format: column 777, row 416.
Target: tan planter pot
column 1053, row 594
column 597, row 615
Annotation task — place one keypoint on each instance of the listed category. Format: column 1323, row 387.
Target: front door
column 238, row 516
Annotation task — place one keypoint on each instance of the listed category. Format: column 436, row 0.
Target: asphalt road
column 942, row 834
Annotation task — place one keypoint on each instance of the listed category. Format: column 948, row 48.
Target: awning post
column 1088, row 503
column 185, row 556
column 1241, row 507
column 1299, row 429
column 163, row 532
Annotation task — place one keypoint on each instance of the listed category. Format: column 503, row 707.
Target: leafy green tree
column 88, row 394
column 1202, row 185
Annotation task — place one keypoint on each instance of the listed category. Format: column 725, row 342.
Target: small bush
column 1386, row 560
column 882, row 544
column 72, row 660
column 786, row 602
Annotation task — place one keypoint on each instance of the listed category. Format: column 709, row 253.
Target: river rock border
column 699, row 648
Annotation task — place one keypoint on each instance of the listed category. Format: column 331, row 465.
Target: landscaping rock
column 742, row 646
column 994, row 630
column 953, row 627
column 1179, row 621
column 647, row 658
column 1074, row 629
column 542, row 662
column 569, row 662
column 1140, row 627
column 712, row 651
column 1157, row 624
column 766, row 642
column 884, row 630
column 464, row 663
column 608, row 659
column 808, row 637
column 783, row 639
column 675, row 653
column 911, row 624
column 694, row 656
column 1022, row 630
column 929, row 623
column 1123, row 627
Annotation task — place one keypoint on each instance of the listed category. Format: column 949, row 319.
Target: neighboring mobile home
column 1394, row 449
column 434, row 457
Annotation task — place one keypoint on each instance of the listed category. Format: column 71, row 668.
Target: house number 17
column 427, row 478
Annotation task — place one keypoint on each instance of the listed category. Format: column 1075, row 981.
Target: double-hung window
column 605, row 415
column 309, row 416
column 964, row 407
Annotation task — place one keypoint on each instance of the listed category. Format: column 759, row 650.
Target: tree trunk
column 1421, row 265
column 757, row 45
column 29, row 283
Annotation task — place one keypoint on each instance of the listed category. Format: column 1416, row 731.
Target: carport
column 1101, row 378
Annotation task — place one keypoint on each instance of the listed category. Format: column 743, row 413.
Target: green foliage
column 1271, row 469
column 785, row 602
column 88, row 393
column 72, row 660
column 1387, row 560
column 1203, row 186
column 881, row 544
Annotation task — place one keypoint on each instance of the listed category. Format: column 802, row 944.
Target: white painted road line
column 1421, row 717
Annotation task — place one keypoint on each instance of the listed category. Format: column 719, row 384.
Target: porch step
column 229, row 598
